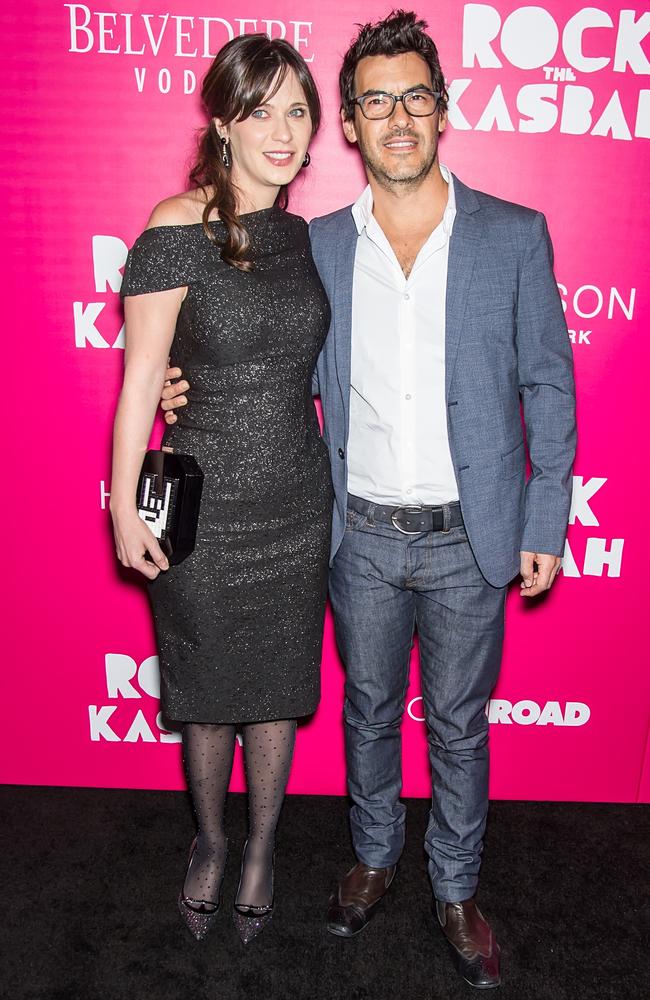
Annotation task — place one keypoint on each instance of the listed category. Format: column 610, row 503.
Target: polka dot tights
column 208, row 753
column 268, row 749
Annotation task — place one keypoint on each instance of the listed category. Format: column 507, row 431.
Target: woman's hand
column 132, row 539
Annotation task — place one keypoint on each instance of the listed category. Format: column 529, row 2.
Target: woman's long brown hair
column 245, row 73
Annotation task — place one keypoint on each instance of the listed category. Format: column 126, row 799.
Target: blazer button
column 341, row 453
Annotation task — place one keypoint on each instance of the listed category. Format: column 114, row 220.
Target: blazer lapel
column 463, row 248
column 342, row 306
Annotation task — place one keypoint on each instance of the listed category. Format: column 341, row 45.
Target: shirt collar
column 362, row 208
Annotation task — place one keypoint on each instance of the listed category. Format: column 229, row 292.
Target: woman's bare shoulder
column 183, row 209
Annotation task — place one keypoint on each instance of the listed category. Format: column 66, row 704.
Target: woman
column 227, row 275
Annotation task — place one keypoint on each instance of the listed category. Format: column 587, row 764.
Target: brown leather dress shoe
column 472, row 943
column 356, row 898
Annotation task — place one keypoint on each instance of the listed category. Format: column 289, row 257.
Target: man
column 445, row 317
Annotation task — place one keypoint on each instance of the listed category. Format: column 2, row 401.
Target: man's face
column 402, row 149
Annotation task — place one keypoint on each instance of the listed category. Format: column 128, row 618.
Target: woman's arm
column 150, row 324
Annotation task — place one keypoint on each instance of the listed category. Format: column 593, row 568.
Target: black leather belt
column 413, row 519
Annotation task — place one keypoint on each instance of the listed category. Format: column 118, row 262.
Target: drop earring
column 307, row 160
column 224, row 153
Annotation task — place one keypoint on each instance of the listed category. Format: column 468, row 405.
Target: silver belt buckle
column 414, row 509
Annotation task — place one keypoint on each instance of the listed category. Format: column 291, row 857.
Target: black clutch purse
column 168, row 500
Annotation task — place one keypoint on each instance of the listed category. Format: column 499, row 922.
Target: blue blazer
column 507, row 352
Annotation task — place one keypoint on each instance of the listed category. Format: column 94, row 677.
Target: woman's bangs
column 260, row 85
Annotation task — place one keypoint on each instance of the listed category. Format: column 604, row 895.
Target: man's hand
column 173, row 394
column 536, row 581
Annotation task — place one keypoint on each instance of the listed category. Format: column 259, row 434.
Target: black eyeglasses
column 419, row 102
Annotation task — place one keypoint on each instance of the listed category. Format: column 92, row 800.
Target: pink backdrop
column 550, row 108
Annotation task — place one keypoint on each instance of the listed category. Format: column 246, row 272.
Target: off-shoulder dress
column 239, row 622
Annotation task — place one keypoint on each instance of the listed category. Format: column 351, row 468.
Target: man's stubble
column 405, row 179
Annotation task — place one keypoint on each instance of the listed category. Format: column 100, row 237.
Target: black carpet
column 90, row 880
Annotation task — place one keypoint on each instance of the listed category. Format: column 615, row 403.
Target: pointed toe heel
column 250, row 920
column 199, row 916
column 251, row 923
column 198, row 922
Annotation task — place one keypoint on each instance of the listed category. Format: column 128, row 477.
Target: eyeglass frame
column 395, row 99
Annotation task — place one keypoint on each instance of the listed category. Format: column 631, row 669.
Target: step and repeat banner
column 550, row 107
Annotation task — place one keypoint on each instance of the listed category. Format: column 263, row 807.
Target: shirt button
column 407, row 396
column 341, row 453
column 409, row 492
column 407, row 296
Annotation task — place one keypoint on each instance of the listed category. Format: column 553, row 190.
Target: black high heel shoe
column 198, row 915
column 251, row 920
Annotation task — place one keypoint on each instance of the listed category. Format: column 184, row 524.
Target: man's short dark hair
column 402, row 31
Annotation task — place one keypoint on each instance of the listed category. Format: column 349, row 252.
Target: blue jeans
column 383, row 585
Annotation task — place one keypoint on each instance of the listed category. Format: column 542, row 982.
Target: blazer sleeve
column 546, row 384
column 315, row 382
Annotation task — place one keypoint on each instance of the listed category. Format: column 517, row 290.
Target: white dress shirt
column 398, row 445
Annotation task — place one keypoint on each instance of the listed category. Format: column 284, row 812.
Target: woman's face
column 267, row 148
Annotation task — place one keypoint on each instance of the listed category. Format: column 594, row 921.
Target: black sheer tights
column 208, row 752
column 268, row 749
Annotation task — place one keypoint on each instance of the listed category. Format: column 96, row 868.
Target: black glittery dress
column 239, row 622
